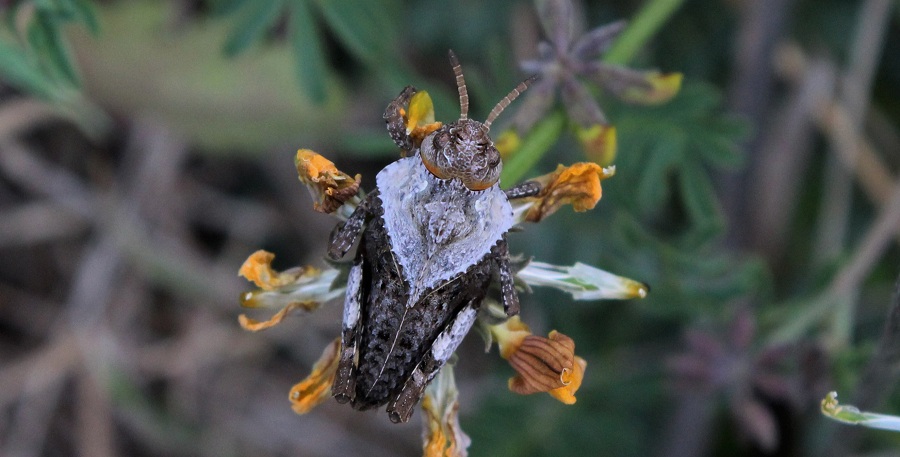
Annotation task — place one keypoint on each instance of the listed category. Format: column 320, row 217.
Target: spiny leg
column 395, row 125
column 344, row 387
column 523, row 190
column 400, row 409
column 345, row 233
column 508, row 294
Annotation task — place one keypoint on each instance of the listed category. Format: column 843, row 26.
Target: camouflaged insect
column 433, row 239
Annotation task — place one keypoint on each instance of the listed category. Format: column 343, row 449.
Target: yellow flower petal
column 420, row 117
column 328, row 186
column 660, row 88
column 316, row 388
column 508, row 143
column 578, row 185
column 598, row 142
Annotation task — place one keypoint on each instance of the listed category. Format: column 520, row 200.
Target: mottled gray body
column 426, row 257
column 433, row 238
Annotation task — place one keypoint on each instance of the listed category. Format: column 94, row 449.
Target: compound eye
column 429, row 153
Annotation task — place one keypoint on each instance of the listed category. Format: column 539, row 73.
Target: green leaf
column 45, row 38
column 364, row 27
column 252, row 25
column 17, row 69
column 700, row 202
column 220, row 8
column 312, row 70
column 84, row 11
column 682, row 139
column 661, row 162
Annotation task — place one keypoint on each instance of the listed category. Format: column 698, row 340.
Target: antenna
column 461, row 86
column 502, row 104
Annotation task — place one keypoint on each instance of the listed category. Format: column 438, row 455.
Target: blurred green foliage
column 34, row 54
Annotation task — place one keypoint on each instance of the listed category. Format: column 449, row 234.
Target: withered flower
column 329, row 187
column 542, row 364
column 296, row 288
column 442, row 435
column 316, row 388
column 578, row 185
column 568, row 59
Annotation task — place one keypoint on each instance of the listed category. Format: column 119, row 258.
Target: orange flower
column 316, row 388
column 542, row 364
column 328, row 186
column 420, row 118
column 578, row 185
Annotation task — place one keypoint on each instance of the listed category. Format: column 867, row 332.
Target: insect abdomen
column 395, row 337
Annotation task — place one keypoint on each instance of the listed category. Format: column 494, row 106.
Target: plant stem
column 644, row 25
column 538, row 141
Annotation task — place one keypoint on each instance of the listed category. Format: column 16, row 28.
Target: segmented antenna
column 461, row 86
column 502, row 104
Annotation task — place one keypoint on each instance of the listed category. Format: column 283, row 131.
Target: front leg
column 401, row 408
column 345, row 233
column 508, row 293
column 396, row 125
column 523, row 190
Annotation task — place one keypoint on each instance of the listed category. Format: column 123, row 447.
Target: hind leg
column 400, row 409
column 344, row 387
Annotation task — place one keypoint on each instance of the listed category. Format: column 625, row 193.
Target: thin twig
column 854, row 95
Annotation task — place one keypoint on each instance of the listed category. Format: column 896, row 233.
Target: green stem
column 538, row 141
column 644, row 25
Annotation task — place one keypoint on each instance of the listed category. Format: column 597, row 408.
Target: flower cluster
column 542, row 364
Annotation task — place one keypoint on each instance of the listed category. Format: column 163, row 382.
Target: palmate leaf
column 698, row 277
column 253, row 23
column 18, row 70
column 312, row 69
column 365, row 29
column 41, row 62
column 672, row 147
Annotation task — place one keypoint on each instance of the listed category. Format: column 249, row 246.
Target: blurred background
column 146, row 149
